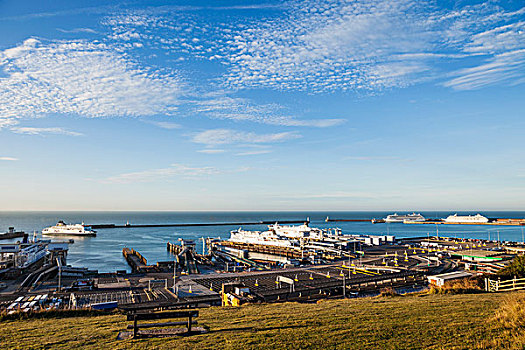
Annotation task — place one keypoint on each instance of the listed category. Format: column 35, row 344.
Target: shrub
column 515, row 268
column 461, row 286
column 388, row 292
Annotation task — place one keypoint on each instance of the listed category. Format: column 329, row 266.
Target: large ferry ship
column 291, row 236
column 478, row 218
column 261, row 237
column 404, row 218
column 296, row 232
column 61, row 228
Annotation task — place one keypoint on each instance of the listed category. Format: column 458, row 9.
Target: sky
column 262, row 105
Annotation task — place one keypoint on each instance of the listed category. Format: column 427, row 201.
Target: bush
column 462, row 286
column 388, row 292
column 515, row 269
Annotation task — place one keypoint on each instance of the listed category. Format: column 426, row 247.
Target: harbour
column 274, row 262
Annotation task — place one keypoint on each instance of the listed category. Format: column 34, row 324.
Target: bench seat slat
column 162, row 315
column 163, row 324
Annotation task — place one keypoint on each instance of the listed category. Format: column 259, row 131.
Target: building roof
column 451, row 275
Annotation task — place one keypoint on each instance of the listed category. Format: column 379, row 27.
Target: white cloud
column 78, row 77
column 78, row 30
column 6, row 122
column 216, row 137
column 252, row 153
column 211, row 151
column 8, row 158
column 166, row 125
column 334, row 45
column 506, row 67
column 176, row 170
column 40, row 131
column 242, row 109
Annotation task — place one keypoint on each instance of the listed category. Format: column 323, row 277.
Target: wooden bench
column 135, row 317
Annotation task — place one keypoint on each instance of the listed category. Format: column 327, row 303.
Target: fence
column 504, row 286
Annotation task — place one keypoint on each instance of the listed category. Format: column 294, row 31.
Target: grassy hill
column 408, row 322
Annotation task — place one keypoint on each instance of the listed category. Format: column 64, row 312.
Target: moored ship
column 63, row 229
column 478, row 218
column 404, row 218
column 260, row 237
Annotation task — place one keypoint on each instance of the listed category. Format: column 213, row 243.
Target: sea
column 104, row 252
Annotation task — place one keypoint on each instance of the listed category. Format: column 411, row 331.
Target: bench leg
column 135, row 327
column 189, row 324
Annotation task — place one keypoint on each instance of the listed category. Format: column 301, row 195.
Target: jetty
column 346, row 220
column 128, row 225
column 494, row 222
column 136, row 261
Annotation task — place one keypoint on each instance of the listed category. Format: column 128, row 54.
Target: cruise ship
column 478, row 218
column 404, row 218
column 61, row 228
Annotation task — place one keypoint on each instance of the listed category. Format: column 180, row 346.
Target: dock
column 136, row 261
column 498, row 222
column 267, row 249
column 128, row 225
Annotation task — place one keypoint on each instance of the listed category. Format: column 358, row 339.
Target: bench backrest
column 163, row 315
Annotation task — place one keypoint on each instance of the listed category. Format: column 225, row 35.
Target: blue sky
column 262, row 105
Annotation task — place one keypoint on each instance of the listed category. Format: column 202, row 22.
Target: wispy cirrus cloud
column 507, row 68
column 378, row 158
column 242, row 109
column 12, row 159
column 254, row 152
column 84, row 78
column 175, row 170
column 503, row 52
column 325, row 45
column 41, row 131
column 166, row 125
column 216, row 137
column 78, row 30
column 211, row 151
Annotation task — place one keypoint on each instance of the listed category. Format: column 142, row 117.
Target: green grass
column 408, row 322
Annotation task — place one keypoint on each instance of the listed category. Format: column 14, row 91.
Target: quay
column 347, row 220
column 234, row 273
column 128, row 225
column 497, row 222
column 135, row 260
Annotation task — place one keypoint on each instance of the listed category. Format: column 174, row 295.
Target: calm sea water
column 104, row 252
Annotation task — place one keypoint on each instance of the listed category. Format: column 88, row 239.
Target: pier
column 136, row 261
column 128, row 225
column 497, row 222
column 346, row 220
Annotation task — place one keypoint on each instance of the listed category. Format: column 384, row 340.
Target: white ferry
column 296, row 232
column 261, row 237
column 404, row 218
column 478, row 218
column 61, row 228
